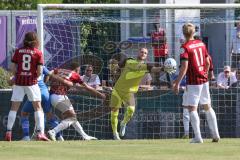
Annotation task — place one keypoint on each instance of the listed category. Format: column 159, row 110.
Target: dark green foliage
column 23, row 4
column 4, row 77
column 91, row 1
column 237, row 11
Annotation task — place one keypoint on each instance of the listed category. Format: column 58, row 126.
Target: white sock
column 63, row 125
column 195, row 121
column 11, row 119
column 212, row 122
column 79, row 128
column 186, row 121
column 39, row 121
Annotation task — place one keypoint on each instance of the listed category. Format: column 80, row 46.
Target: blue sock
column 53, row 122
column 25, row 126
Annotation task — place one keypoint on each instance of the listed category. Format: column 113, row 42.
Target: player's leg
column 186, row 116
column 69, row 119
column 26, row 109
column 186, row 121
column 193, row 96
column 63, row 104
column 128, row 114
column 47, row 109
column 53, row 122
column 17, row 98
column 77, row 126
column 34, row 95
column 115, row 104
column 205, row 100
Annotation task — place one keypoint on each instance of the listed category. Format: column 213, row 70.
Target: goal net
column 94, row 34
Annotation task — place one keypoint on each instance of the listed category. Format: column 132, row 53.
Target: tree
column 91, row 1
column 97, row 31
column 23, row 4
column 94, row 35
column 237, row 11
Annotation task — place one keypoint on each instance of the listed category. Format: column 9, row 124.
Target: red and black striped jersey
column 195, row 52
column 60, row 88
column 27, row 60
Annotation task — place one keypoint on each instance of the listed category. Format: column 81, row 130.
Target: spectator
column 160, row 48
column 145, row 84
column 236, row 45
column 90, row 78
column 236, row 39
column 227, row 78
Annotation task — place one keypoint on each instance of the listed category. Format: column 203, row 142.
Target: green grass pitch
column 167, row 149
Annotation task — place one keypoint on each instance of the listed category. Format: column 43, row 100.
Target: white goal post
column 41, row 8
column 97, row 33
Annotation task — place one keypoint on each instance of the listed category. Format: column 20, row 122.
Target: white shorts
column 33, row 93
column 61, row 102
column 197, row 94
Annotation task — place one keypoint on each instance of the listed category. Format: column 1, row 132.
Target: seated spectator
column 227, row 78
column 145, row 84
column 90, row 78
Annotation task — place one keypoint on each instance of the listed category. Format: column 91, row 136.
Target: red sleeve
column 15, row 57
column 76, row 78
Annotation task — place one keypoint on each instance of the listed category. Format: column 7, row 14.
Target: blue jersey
column 41, row 83
column 183, row 82
column 46, row 105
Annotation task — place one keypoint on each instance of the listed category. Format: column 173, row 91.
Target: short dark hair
column 196, row 28
column 88, row 66
column 74, row 65
column 30, row 40
column 197, row 37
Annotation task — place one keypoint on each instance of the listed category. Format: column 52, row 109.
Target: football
column 170, row 65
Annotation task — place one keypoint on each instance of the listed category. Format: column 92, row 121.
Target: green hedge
column 4, row 77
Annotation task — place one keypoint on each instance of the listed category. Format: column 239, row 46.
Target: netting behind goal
column 96, row 35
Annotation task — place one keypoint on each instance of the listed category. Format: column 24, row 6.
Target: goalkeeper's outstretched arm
column 157, row 69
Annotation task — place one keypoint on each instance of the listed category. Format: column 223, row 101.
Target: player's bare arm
column 207, row 65
column 182, row 73
column 156, row 69
column 39, row 70
column 91, row 90
column 13, row 68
